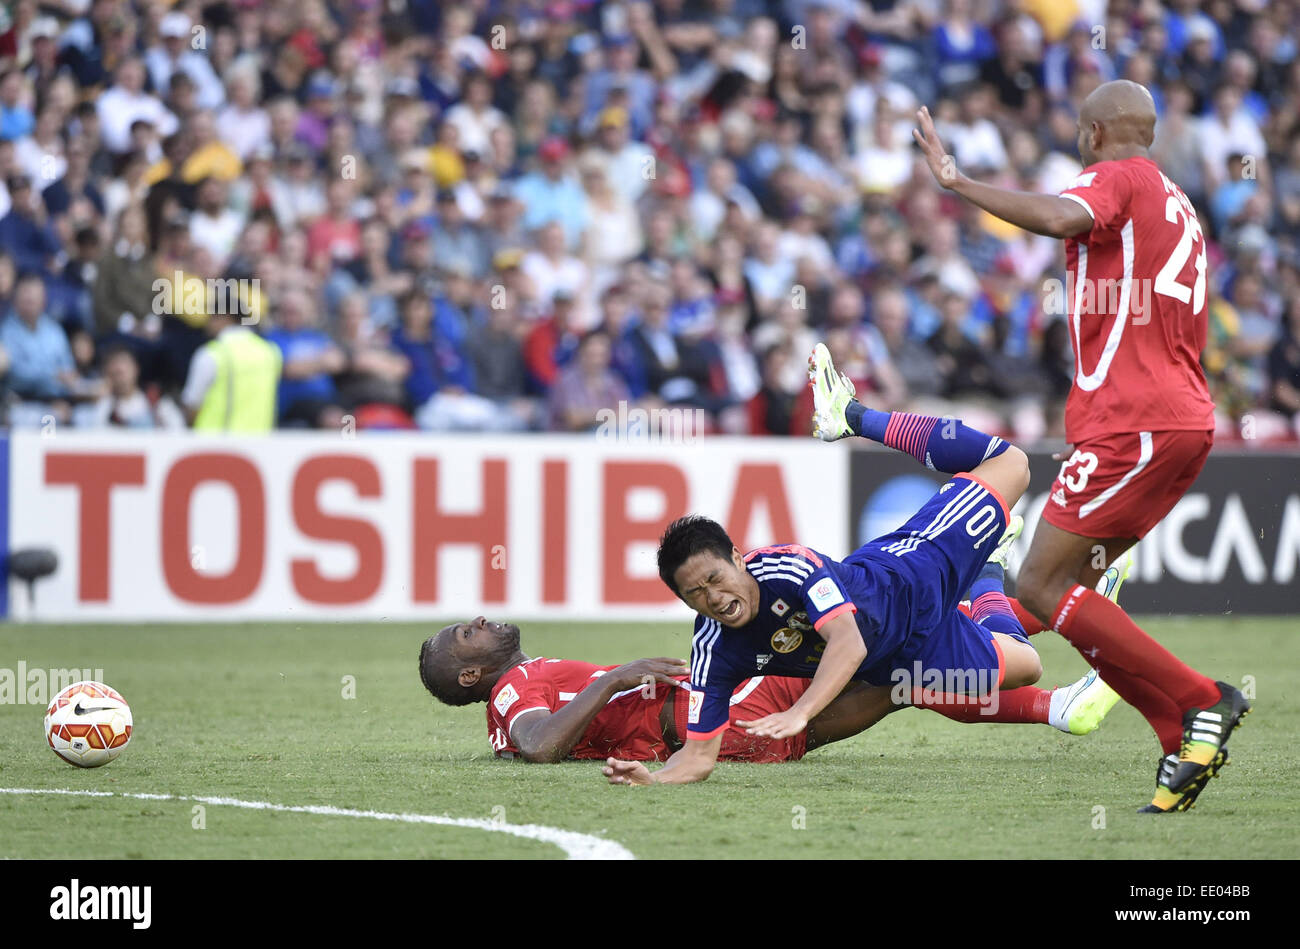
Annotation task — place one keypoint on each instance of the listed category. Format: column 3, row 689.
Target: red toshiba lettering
column 555, row 530
column 759, row 484
column 434, row 529
column 94, row 476
column 360, row 535
column 243, row 578
column 622, row 530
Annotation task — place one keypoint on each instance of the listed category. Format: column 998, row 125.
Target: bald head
column 1118, row 120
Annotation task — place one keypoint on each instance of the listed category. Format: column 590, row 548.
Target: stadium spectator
column 440, row 385
column 552, row 271
column 1230, row 129
column 553, row 194
column 232, row 380
column 499, row 368
column 456, row 244
column 16, row 118
column 613, row 235
column 126, row 102
column 209, row 156
column 915, row 363
column 775, row 408
column 474, row 117
column 123, row 292
column 628, row 164
column 586, row 388
column 1284, row 370
column 176, row 52
column 243, row 124
column 962, row 44
column 309, row 359
column 374, row 373
column 74, row 198
column 214, row 225
column 42, row 373
column 125, row 404
column 552, row 342
column 25, row 232
column 334, row 236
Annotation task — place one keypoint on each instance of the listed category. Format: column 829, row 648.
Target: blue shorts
column 934, row 558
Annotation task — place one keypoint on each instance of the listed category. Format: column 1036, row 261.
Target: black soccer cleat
column 1166, row 800
column 1205, row 732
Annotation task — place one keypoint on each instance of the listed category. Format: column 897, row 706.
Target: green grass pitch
column 256, row 712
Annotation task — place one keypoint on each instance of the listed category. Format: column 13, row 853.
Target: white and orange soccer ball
column 88, row 724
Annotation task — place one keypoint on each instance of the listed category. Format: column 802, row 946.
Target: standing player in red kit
column 1139, row 414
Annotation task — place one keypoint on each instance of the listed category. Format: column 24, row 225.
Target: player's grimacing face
column 717, row 588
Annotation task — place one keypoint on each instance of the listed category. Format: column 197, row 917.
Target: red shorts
column 1122, row 485
column 756, row 697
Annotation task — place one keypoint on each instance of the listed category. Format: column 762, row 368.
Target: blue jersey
column 800, row 590
column 902, row 590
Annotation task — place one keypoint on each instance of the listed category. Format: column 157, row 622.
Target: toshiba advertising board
column 322, row 526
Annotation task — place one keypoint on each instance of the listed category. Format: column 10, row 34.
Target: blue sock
column 944, row 444
column 989, row 606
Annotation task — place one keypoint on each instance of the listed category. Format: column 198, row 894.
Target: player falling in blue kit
column 887, row 614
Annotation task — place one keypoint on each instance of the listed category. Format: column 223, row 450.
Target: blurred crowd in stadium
column 498, row 216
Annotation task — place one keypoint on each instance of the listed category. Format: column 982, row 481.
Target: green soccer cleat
column 1205, row 733
column 1002, row 552
column 1078, row 708
column 832, row 393
column 1083, row 705
column 1168, row 800
column 1115, row 575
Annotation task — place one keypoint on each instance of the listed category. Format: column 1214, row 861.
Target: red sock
column 1024, row 706
column 1103, row 633
column 1027, row 619
column 1156, row 707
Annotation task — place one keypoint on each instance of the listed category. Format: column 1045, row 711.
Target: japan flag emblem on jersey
column 505, row 698
column 780, row 607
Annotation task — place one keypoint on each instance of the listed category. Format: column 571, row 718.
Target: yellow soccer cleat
column 832, row 393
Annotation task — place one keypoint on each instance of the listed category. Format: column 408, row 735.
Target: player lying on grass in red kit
column 549, row 710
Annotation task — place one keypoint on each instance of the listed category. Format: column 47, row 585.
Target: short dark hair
column 686, row 537
column 116, row 351
column 438, row 676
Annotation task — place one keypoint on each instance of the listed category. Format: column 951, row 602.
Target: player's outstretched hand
column 626, row 772
column 645, row 671
column 942, row 165
column 778, row 725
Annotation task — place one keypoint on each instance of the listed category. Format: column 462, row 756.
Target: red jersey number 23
column 1179, row 210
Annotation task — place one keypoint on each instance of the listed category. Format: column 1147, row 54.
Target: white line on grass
column 576, row 846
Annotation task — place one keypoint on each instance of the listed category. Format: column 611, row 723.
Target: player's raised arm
column 545, row 738
column 693, row 762
column 844, row 653
column 1048, row 214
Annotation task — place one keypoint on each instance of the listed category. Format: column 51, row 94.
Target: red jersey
column 1136, row 288
column 629, row 726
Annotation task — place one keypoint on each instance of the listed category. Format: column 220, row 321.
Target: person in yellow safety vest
column 232, row 381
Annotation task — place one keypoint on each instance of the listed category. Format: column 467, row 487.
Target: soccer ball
column 88, row 724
